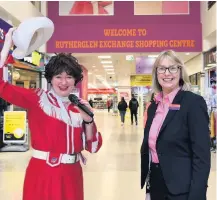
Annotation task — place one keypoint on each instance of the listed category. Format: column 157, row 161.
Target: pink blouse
column 160, row 115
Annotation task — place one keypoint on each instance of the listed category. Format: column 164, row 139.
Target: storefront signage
column 4, row 26
column 125, row 95
column 14, row 126
column 102, row 91
column 210, row 58
column 141, row 80
column 2, row 35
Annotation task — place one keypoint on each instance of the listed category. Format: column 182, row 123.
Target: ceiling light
column 93, row 66
column 106, row 62
column 108, row 66
column 109, row 69
column 89, row 72
column 104, row 57
column 187, row 54
column 152, row 56
column 110, row 73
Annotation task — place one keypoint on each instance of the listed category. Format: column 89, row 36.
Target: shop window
column 210, row 58
column 195, row 79
column 26, row 79
column 210, row 4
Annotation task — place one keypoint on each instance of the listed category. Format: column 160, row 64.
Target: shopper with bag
column 175, row 152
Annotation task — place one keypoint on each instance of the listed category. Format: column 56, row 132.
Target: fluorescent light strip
column 108, row 66
column 109, row 69
column 106, row 62
column 104, row 57
column 110, row 73
column 152, row 56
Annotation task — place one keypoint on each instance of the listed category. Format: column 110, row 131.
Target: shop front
column 195, row 80
column 101, row 96
column 210, row 77
column 211, row 96
column 24, row 76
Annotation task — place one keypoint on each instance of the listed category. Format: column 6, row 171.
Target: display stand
column 15, row 132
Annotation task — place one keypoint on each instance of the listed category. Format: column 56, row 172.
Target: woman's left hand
column 8, row 43
column 85, row 116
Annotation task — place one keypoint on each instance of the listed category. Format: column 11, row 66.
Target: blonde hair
column 184, row 79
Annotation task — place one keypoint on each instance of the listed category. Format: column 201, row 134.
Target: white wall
column 208, row 20
column 21, row 10
column 124, row 80
column 4, row 15
column 194, row 65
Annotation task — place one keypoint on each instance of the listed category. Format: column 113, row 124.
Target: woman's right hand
column 8, row 43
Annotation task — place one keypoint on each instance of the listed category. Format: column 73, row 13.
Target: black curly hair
column 63, row 63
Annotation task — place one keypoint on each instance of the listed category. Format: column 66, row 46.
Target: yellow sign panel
column 36, row 57
column 14, row 125
column 141, row 80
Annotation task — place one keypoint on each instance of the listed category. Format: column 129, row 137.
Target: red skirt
column 63, row 182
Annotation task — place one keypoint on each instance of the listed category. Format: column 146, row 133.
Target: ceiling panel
column 121, row 66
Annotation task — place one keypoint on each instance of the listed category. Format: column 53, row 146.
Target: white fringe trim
column 84, row 140
column 95, row 144
column 73, row 119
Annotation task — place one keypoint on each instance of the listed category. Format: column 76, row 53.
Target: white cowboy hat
column 30, row 35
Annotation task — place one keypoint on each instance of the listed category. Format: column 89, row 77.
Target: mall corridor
column 112, row 174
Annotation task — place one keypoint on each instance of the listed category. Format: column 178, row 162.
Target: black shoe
column 136, row 123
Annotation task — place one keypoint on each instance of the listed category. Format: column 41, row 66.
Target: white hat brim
column 19, row 54
column 22, row 36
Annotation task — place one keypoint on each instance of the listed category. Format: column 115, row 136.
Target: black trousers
column 133, row 113
column 158, row 189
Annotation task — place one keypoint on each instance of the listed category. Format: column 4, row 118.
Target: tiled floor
column 111, row 174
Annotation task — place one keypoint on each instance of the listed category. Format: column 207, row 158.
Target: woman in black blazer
column 175, row 153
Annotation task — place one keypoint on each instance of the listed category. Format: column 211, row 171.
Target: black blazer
column 183, row 146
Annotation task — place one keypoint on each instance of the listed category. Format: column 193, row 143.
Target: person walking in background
column 175, row 152
column 109, row 104
column 122, row 107
column 133, row 106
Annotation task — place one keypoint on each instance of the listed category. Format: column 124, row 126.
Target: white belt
column 55, row 160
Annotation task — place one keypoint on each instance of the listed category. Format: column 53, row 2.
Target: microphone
column 74, row 99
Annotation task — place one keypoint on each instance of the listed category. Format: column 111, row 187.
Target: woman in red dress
column 59, row 130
